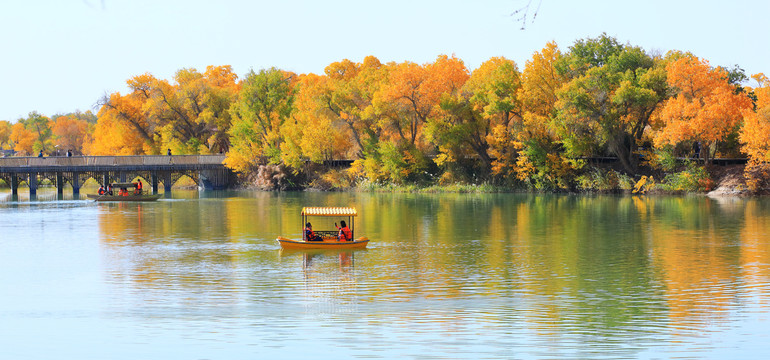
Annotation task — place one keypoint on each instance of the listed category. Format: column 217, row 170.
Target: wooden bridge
column 208, row 171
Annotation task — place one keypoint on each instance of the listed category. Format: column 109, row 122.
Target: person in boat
column 345, row 234
column 109, row 189
column 138, row 185
column 310, row 234
column 123, row 192
column 101, row 191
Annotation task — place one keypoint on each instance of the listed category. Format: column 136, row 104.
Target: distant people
column 69, row 153
column 168, row 152
column 310, row 235
column 40, row 154
column 138, row 185
column 345, row 234
column 696, row 149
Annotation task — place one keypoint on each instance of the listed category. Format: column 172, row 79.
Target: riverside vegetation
column 440, row 126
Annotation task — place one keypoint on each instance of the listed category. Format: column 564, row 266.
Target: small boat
column 130, row 191
column 328, row 238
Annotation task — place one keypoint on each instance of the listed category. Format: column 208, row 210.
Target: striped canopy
column 329, row 211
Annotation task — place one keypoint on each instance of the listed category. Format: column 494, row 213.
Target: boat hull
column 124, row 198
column 359, row 243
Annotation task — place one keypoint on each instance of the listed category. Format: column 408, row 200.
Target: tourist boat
column 329, row 237
column 132, row 196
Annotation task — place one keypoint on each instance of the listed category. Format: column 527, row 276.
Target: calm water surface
column 494, row 276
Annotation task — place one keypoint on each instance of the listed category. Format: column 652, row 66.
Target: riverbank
column 726, row 180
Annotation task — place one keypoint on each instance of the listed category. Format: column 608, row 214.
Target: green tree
column 609, row 102
column 264, row 104
column 40, row 127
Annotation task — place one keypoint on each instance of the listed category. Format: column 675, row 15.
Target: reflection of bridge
column 208, row 171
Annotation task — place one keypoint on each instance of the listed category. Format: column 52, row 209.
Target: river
column 199, row 275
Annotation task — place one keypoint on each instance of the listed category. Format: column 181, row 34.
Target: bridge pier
column 32, row 182
column 154, row 181
column 167, row 181
column 75, row 183
column 59, row 183
column 14, row 184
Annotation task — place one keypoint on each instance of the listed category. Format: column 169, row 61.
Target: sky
column 61, row 56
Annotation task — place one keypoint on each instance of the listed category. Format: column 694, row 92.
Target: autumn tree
column 409, row 98
column 613, row 92
column 755, row 135
column 22, row 139
column 534, row 154
column 704, row 108
column 348, row 96
column 315, row 132
column 70, row 133
column 5, row 133
column 193, row 112
column 32, row 134
column 123, row 126
column 487, row 100
column 190, row 115
column 264, row 104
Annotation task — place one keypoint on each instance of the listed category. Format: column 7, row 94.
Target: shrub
column 692, row 179
column 604, row 180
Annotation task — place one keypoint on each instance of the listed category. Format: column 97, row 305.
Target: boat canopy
column 123, row 185
column 329, row 211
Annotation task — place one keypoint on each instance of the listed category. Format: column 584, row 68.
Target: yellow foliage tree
column 706, row 107
column 755, row 136
column 70, row 133
column 23, row 139
column 5, row 133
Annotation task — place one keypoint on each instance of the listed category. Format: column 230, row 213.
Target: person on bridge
column 40, row 154
column 345, row 234
column 168, row 152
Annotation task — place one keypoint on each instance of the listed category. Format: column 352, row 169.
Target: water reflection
column 550, row 276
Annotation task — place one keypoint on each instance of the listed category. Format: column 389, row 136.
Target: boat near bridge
column 129, row 193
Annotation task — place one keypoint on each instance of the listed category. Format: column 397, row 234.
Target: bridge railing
column 111, row 160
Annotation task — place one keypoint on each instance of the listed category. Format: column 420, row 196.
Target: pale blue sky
column 59, row 56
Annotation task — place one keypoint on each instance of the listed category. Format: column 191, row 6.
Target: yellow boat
column 329, row 238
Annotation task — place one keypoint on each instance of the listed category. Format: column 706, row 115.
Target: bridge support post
column 32, row 183
column 105, row 179
column 75, row 182
column 14, row 184
column 154, row 181
column 122, row 176
column 167, row 181
column 59, row 183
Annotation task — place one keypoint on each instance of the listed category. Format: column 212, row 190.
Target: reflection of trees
column 755, row 247
column 605, row 264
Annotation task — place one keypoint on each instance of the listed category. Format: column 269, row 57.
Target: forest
column 440, row 123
